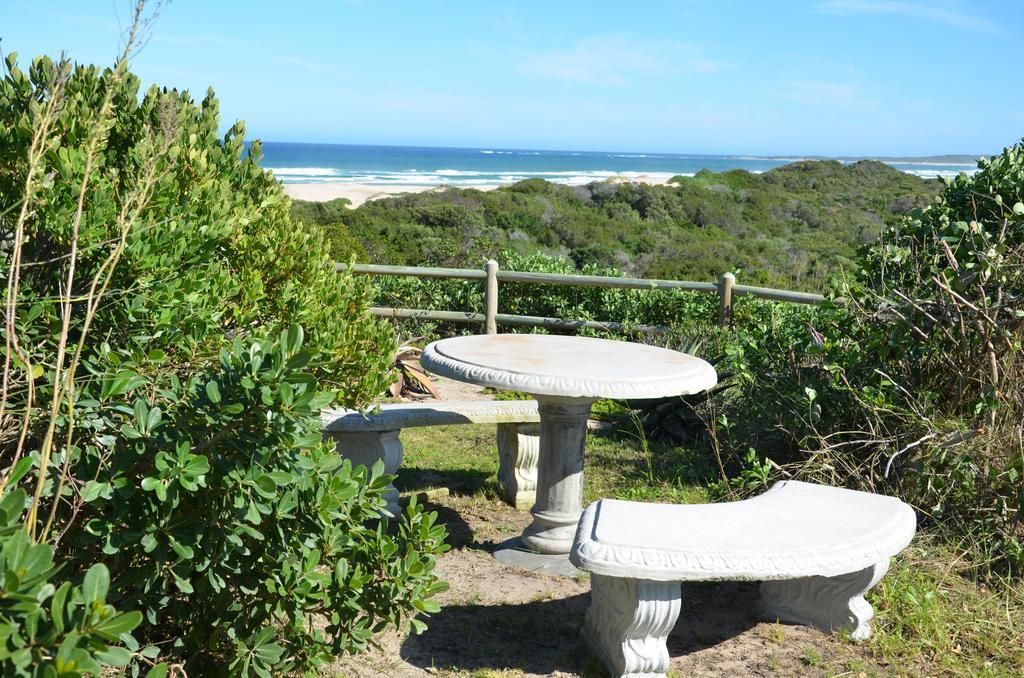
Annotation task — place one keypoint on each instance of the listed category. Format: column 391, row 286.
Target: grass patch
column 932, row 619
column 618, row 464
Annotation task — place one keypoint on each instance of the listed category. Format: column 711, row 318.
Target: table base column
column 563, row 434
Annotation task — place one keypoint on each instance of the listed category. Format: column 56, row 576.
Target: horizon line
column 783, row 156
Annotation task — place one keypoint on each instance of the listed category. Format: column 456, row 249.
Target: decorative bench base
column 830, row 604
column 367, row 438
column 518, row 450
column 817, row 549
column 628, row 623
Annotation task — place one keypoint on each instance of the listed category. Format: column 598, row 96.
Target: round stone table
column 566, row 374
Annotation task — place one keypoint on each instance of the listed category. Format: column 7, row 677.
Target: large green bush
column 170, row 336
column 909, row 379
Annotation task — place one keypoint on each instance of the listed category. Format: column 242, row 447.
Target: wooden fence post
column 491, row 297
column 725, row 299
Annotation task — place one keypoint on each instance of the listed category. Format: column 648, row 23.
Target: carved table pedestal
column 566, row 375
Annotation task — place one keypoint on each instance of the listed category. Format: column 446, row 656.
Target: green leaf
column 57, row 606
column 19, row 471
column 184, row 585
column 279, row 477
column 112, row 628
column 428, row 606
column 153, row 419
column 37, row 561
column 114, row 656
column 120, row 382
column 213, row 392
column 96, row 583
column 93, row 490
column 148, row 542
column 21, row 658
column 184, row 552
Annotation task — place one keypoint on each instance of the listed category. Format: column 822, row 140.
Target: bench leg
column 827, row 603
column 628, row 622
column 518, row 447
column 367, row 448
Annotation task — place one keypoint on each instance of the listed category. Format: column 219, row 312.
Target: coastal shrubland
column 908, row 379
column 170, row 336
column 905, row 381
column 172, row 330
column 789, row 227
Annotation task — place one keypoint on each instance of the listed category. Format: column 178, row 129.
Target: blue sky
column 833, row 77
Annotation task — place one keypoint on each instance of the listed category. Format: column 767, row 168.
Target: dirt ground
column 497, row 620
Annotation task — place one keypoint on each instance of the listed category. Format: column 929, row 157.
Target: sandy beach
column 358, row 193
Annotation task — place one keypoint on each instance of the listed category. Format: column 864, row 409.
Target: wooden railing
column 726, row 289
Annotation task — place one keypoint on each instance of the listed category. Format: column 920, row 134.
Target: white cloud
column 615, row 61
column 941, row 12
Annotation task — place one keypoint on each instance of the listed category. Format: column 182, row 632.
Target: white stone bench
column 365, row 438
column 817, row 550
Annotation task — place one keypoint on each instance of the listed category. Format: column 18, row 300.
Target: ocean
column 299, row 163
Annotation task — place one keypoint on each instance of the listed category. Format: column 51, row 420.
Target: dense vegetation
column 789, row 227
column 170, row 336
column 907, row 380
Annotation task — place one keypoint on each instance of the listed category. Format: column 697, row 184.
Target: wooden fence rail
column 726, row 289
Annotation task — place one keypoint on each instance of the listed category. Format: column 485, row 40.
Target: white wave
column 459, row 173
column 304, row 171
column 924, row 163
column 934, row 173
column 763, row 158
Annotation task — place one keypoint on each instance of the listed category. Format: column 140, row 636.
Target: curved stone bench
column 366, row 438
column 817, row 550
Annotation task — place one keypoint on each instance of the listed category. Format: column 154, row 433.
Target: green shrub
column 50, row 627
column 231, row 525
column 909, row 381
column 160, row 400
